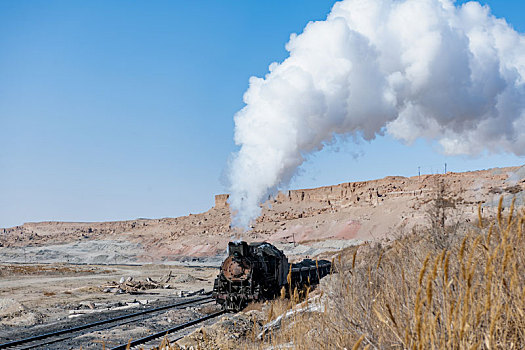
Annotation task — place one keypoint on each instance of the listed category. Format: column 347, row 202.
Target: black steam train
column 258, row 271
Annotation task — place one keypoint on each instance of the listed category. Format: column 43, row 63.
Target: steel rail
column 97, row 323
column 166, row 332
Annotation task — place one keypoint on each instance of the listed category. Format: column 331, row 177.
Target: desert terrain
column 51, row 270
column 304, row 222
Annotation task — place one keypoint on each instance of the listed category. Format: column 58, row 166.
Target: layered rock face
column 356, row 211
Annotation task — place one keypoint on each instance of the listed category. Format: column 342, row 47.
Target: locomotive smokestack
column 409, row 68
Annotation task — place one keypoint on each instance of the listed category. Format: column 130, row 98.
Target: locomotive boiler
column 258, row 271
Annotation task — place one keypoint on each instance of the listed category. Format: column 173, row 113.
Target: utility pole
column 445, row 168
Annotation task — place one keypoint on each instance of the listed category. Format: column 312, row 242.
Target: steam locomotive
column 258, row 271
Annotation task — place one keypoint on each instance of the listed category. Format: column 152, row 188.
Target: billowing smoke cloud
column 413, row 69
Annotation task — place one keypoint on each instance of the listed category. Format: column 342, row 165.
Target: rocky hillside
column 300, row 221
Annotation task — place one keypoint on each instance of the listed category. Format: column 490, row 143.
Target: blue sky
column 113, row 110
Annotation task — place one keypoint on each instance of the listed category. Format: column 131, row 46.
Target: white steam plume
column 412, row 68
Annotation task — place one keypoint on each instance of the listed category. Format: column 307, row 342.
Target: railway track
column 41, row 340
column 157, row 337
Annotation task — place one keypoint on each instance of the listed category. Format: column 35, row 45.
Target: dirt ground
column 33, row 296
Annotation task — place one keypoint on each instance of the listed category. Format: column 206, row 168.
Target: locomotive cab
column 239, row 248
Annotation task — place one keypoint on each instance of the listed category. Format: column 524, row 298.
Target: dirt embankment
column 304, row 222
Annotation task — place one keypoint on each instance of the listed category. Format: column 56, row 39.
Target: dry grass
column 414, row 294
column 461, row 290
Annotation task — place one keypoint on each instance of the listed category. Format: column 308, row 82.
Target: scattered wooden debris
column 130, row 286
column 185, row 293
column 91, row 308
column 166, row 278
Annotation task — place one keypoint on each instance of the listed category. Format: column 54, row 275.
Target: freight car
column 258, row 271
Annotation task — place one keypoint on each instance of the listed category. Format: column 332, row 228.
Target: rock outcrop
column 364, row 210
